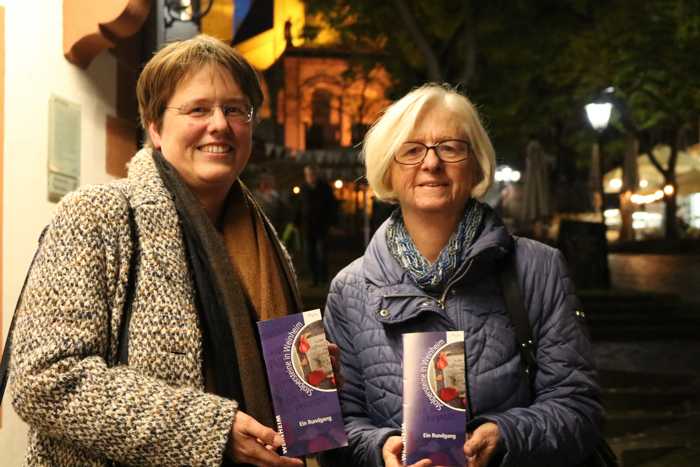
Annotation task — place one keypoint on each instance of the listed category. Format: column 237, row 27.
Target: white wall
column 35, row 69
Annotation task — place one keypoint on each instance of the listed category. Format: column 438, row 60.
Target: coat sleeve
column 62, row 386
column 365, row 439
column 561, row 426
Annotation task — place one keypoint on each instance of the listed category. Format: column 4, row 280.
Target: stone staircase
column 653, row 418
column 634, row 316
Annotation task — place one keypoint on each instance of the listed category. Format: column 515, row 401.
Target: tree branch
column 469, row 68
column 431, row 61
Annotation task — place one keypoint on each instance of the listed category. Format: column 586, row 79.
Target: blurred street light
column 506, row 174
column 598, row 114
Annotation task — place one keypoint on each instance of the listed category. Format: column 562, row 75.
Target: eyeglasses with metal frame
column 234, row 113
column 448, row 151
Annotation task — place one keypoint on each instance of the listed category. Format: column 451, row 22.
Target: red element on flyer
column 441, row 363
column 315, row 377
column 304, row 345
column 448, row 394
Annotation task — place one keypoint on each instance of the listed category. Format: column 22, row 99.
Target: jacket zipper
column 442, row 301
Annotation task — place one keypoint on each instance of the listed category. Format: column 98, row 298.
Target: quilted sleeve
column 561, row 426
column 365, row 439
column 62, row 385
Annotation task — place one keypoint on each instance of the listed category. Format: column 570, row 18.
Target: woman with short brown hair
column 205, row 265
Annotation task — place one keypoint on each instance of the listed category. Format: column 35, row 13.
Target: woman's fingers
column 256, row 430
column 391, row 452
column 422, row 463
column 481, row 444
column 334, row 352
column 254, row 443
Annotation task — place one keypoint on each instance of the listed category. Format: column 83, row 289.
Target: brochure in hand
column 302, row 383
column 434, row 398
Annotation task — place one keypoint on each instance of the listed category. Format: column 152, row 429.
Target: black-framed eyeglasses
column 448, row 151
column 234, row 113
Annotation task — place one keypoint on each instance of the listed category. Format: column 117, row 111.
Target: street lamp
column 598, row 114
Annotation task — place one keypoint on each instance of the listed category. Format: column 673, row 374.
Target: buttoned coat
column 373, row 301
column 81, row 408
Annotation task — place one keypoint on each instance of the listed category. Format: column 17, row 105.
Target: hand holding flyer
column 302, row 383
column 435, row 398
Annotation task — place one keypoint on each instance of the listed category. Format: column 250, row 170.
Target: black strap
column 603, row 455
column 124, row 331
column 123, row 339
column 515, row 305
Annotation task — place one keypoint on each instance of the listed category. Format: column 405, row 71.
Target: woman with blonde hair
column 435, row 265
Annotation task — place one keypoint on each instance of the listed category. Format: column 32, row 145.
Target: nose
column 217, row 120
column 431, row 160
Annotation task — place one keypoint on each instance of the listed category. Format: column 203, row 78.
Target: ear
column 154, row 135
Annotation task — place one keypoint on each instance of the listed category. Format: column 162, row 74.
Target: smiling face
column 433, row 186
column 208, row 153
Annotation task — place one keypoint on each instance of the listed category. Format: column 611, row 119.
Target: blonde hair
column 174, row 62
column 397, row 122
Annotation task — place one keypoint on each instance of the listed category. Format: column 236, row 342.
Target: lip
column 223, row 149
column 432, row 184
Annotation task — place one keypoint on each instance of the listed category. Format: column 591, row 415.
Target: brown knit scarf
column 254, row 258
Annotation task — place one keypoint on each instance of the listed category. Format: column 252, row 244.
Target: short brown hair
column 174, row 62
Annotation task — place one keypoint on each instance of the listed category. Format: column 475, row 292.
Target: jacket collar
column 383, row 271
column 145, row 184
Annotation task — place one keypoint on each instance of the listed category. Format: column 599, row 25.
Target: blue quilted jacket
column 373, row 301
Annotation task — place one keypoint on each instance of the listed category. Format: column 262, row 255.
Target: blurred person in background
column 317, row 212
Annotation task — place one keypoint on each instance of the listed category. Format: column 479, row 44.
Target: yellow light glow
column 643, row 183
column 296, row 190
column 615, row 183
column 668, row 189
column 262, row 50
column 338, row 184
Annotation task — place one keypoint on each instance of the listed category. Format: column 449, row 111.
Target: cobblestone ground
column 676, row 274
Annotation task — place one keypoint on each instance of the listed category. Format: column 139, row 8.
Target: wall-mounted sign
column 64, row 147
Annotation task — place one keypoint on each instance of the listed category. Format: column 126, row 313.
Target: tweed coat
column 81, row 409
column 373, row 301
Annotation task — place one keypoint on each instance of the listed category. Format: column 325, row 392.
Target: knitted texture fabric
column 81, row 409
column 434, row 277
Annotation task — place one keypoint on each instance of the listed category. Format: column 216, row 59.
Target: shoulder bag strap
column 5, row 362
column 123, row 339
column 516, row 309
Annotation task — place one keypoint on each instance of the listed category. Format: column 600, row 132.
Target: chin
column 433, row 208
column 217, row 176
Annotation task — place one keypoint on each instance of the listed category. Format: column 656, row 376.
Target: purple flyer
column 302, row 383
column 434, row 398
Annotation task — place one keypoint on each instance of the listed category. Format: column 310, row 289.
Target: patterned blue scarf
column 434, row 277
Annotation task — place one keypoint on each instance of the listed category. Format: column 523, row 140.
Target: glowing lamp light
column 506, row 174
column 615, row 183
column 643, row 183
column 338, row 184
column 668, row 189
column 296, row 190
column 598, row 114
column 646, row 199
